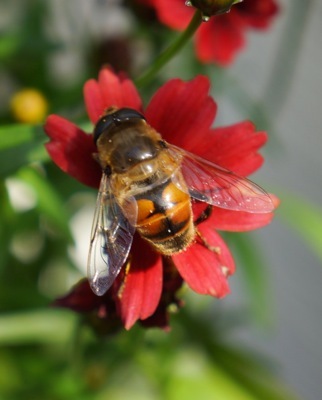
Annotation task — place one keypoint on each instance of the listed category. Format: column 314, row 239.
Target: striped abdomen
column 165, row 218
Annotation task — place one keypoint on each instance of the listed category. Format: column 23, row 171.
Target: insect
column 148, row 186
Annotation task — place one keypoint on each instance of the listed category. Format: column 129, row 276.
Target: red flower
column 101, row 312
column 222, row 36
column 182, row 112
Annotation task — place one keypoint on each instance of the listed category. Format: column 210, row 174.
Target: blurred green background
column 261, row 342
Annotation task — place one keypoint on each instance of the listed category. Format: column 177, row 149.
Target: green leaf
column 250, row 260
column 246, row 371
column 195, row 378
column 20, row 144
column 8, row 222
column 40, row 326
column 252, row 373
column 18, row 134
column 8, row 45
column 49, row 202
column 305, row 218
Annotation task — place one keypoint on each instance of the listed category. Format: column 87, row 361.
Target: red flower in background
column 183, row 113
column 219, row 39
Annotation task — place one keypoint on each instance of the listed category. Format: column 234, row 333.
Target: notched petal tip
column 142, row 286
column 275, row 200
column 202, row 271
column 179, row 109
column 93, row 100
column 109, row 90
column 72, row 150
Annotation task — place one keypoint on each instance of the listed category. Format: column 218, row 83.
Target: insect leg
column 204, row 215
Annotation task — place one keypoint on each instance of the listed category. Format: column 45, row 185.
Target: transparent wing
column 218, row 186
column 111, row 238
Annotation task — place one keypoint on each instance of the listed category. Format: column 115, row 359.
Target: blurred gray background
column 291, row 85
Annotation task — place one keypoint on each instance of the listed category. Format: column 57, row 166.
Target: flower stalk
column 171, row 51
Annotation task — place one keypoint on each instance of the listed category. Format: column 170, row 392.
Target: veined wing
column 111, row 238
column 220, row 187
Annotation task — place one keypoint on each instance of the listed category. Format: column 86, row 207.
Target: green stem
column 171, row 51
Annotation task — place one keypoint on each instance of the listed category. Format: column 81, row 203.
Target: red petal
column 238, row 221
column 206, row 271
column 258, row 13
column 110, row 90
column 80, row 298
column 141, row 291
column 219, row 39
column 93, row 100
column 131, row 97
column 235, row 147
column 72, row 149
column 214, row 239
column 183, row 112
column 175, row 15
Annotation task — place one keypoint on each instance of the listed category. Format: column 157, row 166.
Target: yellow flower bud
column 29, row 106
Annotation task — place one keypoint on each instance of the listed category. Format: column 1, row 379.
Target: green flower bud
column 209, row 8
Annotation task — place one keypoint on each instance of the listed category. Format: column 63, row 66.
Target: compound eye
column 113, row 119
column 102, row 125
column 116, row 118
column 125, row 114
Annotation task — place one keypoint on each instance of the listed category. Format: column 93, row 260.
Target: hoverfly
column 148, row 186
